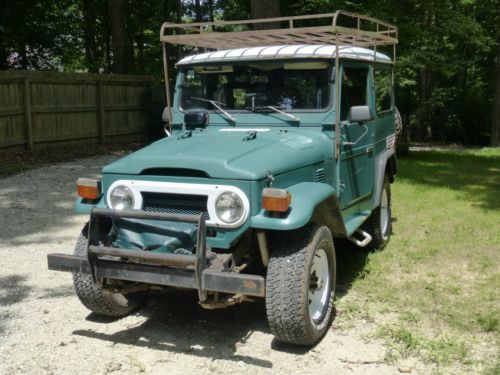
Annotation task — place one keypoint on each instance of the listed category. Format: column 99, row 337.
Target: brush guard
column 185, row 271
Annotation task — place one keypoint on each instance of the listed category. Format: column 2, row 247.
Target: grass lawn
column 434, row 291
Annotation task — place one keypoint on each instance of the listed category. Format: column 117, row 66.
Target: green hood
column 226, row 154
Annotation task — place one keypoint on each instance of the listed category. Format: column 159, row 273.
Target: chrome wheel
column 319, row 286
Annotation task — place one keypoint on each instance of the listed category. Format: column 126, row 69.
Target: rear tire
column 300, row 285
column 379, row 224
column 94, row 298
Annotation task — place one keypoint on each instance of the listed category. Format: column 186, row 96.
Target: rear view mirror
column 360, row 114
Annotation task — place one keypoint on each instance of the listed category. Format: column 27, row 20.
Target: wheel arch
column 385, row 165
column 311, row 202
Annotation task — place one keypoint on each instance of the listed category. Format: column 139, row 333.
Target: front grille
column 175, row 204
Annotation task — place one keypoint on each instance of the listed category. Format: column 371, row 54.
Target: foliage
column 446, row 55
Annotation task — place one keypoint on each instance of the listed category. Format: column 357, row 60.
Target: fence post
column 100, row 110
column 28, row 121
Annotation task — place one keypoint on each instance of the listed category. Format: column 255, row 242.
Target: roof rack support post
column 167, row 85
column 337, row 113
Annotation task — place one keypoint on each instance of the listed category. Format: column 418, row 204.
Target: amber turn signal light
column 88, row 188
column 276, row 200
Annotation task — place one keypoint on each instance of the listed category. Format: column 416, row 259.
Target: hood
column 226, row 153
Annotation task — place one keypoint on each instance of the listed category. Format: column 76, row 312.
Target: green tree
column 448, row 58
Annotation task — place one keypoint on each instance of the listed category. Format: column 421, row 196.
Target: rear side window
column 354, row 83
column 383, row 90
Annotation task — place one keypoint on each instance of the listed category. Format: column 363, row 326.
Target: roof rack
column 339, row 28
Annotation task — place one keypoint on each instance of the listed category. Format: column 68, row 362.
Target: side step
column 363, row 242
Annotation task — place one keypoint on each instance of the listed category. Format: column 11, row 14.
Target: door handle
column 369, row 150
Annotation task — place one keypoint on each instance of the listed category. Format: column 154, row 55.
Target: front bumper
column 195, row 271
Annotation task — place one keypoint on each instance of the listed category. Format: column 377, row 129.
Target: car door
column 356, row 142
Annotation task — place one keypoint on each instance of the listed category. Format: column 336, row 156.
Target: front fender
column 306, row 198
column 84, row 206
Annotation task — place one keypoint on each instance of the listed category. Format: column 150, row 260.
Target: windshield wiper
column 294, row 118
column 269, row 108
column 216, row 105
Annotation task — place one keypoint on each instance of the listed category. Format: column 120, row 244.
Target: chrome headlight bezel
column 121, row 198
column 229, row 207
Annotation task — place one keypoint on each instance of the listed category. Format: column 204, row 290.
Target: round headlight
column 121, row 198
column 229, row 207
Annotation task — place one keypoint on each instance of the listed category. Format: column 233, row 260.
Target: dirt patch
column 45, row 330
column 15, row 162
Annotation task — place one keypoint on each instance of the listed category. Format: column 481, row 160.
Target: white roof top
column 286, row 52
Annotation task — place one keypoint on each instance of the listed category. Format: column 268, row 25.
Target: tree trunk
column 117, row 27
column 140, row 45
column 197, row 9
column 424, row 130
column 89, row 36
column 265, row 9
column 211, row 10
column 107, row 38
column 129, row 40
column 3, row 53
column 23, row 56
column 178, row 19
column 495, row 117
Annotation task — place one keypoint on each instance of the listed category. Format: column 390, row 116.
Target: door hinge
column 341, row 186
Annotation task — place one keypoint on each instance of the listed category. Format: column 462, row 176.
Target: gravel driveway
column 45, row 330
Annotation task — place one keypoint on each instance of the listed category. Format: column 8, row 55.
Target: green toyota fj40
column 279, row 140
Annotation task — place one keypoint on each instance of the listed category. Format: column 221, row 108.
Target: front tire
column 300, row 285
column 94, row 298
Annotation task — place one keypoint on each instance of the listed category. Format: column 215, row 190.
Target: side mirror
column 196, row 119
column 360, row 114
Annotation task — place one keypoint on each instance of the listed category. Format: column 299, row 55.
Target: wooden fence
column 46, row 107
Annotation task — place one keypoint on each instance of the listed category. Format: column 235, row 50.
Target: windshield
column 285, row 85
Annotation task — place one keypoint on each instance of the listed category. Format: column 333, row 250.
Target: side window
column 354, row 82
column 383, row 90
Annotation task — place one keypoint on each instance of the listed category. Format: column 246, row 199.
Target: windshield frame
column 331, row 84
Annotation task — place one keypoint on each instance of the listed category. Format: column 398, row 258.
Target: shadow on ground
column 176, row 323
column 40, row 201
column 351, row 262
column 476, row 176
column 13, row 289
